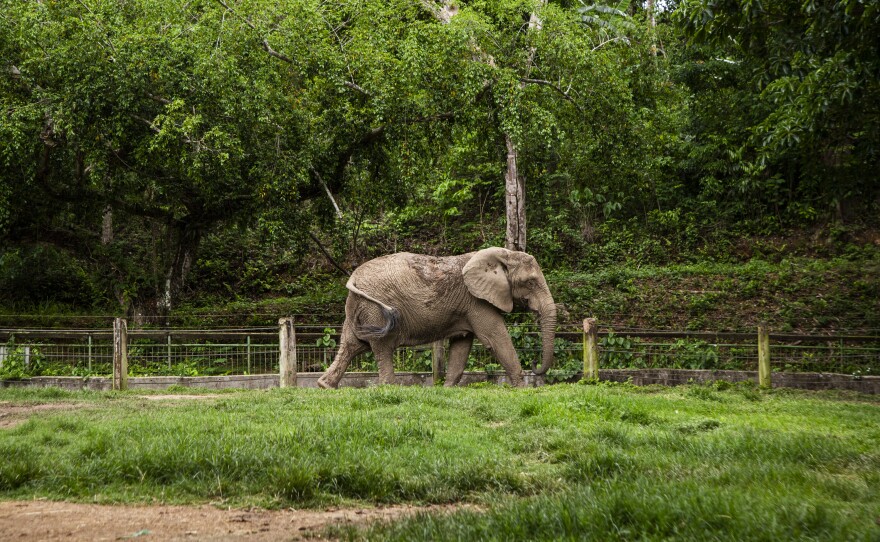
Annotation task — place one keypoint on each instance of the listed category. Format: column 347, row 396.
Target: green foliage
column 804, row 131
column 32, row 275
column 20, row 362
column 790, row 294
column 217, row 143
column 568, row 358
column 618, row 352
column 326, row 340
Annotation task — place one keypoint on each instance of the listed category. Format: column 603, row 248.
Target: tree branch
column 101, row 25
column 327, row 255
column 327, row 190
column 161, row 100
column 564, row 94
column 606, row 42
column 146, row 122
column 355, row 86
column 263, row 40
column 273, row 52
column 281, row 56
column 443, row 13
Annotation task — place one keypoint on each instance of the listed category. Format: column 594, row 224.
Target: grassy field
column 560, row 462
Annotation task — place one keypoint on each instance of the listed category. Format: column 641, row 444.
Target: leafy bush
column 20, row 361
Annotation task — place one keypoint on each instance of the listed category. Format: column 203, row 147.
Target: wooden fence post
column 763, row 356
column 287, row 347
column 120, row 354
column 249, row 370
column 438, row 357
column 591, row 350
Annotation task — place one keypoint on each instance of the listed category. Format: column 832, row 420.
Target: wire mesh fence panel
column 153, row 358
column 315, row 359
column 68, row 358
column 826, row 357
column 639, row 353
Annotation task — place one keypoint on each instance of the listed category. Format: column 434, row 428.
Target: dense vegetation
column 603, row 462
column 158, row 154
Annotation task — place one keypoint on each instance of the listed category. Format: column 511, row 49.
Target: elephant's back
column 405, row 275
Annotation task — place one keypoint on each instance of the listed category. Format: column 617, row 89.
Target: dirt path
column 12, row 415
column 178, row 397
column 49, row 521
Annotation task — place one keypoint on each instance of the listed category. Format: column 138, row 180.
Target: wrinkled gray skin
column 409, row 299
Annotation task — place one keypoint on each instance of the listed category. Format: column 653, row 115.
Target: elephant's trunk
column 547, row 317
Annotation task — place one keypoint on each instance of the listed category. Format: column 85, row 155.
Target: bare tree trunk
column 329, row 193
column 188, row 239
column 514, row 184
column 107, row 226
column 515, row 199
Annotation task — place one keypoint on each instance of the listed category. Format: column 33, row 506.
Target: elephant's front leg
column 385, row 358
column 459, row 349
column 493, row 334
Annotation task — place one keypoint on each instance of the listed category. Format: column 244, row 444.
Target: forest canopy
column 152, row 149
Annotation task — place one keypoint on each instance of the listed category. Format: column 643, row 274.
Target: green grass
column 559, row 462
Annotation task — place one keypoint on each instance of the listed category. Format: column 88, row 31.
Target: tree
column 814, row 126
column 144, row 112
column 538, row 89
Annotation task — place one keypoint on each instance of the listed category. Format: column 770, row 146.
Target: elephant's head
column 501, row 276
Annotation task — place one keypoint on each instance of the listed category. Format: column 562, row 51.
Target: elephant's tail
column 390, row 314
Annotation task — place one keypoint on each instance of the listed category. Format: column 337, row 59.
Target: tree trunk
column 514, row 184
column 187, row 243
column 515, row 199
column 107, row 226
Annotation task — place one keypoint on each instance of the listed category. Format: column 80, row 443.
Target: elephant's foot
column 323, row 384
column 451, row 382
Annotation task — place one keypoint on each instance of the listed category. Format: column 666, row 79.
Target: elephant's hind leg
column 384, row 353
column 351, row 346
column 459, row 349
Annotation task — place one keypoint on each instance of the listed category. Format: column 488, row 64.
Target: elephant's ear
column 485, row 276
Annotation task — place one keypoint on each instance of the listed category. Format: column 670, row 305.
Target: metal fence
column 845, row 354
column 183, row 352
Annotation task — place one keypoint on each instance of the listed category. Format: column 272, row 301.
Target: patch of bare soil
column 174, row 397
column 12, row 415
column 48, row 521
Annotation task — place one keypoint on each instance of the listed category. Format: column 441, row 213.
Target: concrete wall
column 639, row 377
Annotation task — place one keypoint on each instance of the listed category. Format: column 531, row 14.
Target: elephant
column 406, row 299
